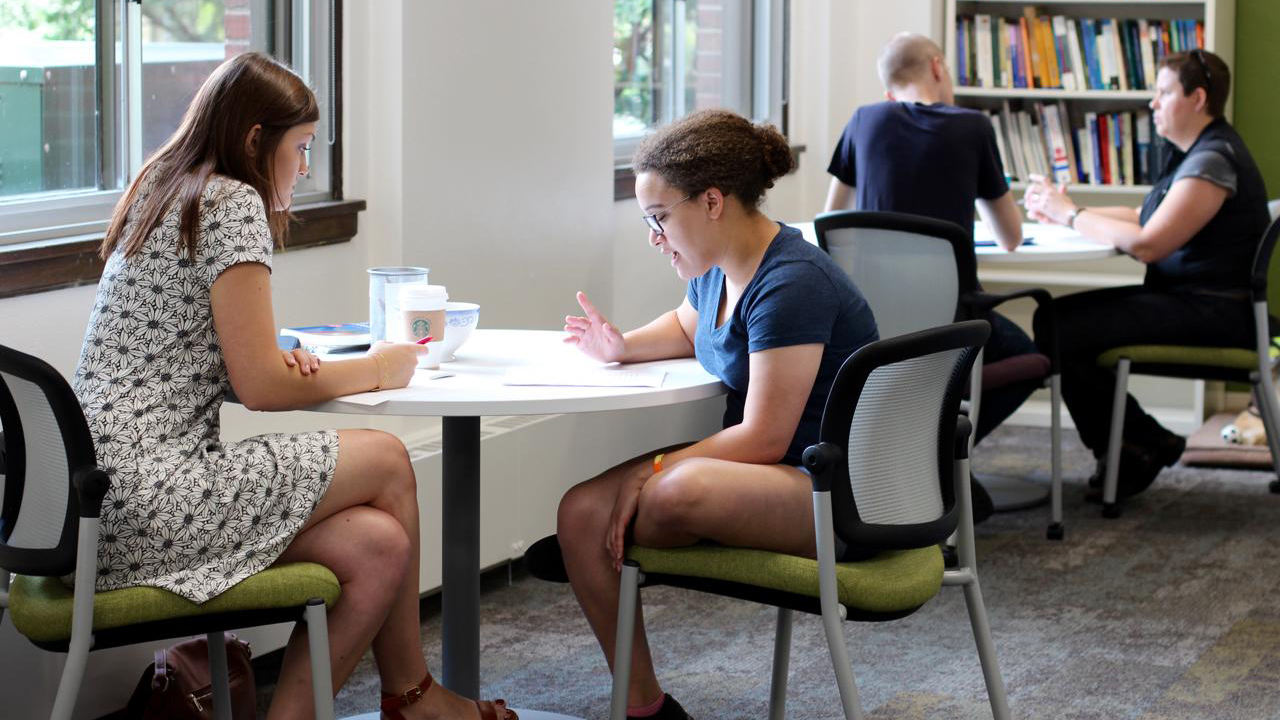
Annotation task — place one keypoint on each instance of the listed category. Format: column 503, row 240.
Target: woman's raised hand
column 396, row 362
column 594, row 335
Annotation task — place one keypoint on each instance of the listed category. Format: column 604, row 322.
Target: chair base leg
column 321, row 672
column 781, row 666
column 986, row 650
column 628, row 589
column 1111, row 481
column 217, row 644
column 1055, row 531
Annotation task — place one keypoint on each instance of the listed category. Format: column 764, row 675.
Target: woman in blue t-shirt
column 770, row 315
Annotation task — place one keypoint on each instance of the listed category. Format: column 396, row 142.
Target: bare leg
column 760, row 506
column 365, row 529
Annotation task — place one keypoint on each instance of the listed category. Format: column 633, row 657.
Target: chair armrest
column 821, row 460
column 964, row 429
column 982, row 300
column 91, row 486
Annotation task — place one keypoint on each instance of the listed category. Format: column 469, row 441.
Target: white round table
column 1049, row 243
column 476, row 389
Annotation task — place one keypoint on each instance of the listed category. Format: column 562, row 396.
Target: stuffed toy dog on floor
column 1246, row 429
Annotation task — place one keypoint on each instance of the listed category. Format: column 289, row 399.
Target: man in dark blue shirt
column 918, row 153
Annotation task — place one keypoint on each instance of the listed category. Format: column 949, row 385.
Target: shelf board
column 1053, row 94
column 1098, row 189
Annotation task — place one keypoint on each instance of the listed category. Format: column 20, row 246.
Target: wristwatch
column 1071, row 217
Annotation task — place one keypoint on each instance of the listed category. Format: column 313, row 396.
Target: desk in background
column 1051, row 243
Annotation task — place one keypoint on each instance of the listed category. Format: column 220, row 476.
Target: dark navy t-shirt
column 797, row 296
column 930, row 160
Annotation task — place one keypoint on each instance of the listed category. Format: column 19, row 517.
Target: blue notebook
column 993, row 243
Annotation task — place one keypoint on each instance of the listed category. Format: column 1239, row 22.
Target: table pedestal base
column 1013, row 493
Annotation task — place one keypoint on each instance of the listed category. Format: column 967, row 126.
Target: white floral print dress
column 185, row 511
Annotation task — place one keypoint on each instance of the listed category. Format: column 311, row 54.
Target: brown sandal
column 393, row 704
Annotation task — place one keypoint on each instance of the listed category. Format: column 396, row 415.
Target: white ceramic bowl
column 460, row 318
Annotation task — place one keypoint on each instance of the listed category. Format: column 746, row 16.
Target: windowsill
column 624, row 181
column 71, row 261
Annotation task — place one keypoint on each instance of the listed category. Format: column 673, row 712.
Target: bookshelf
column 1074, row 102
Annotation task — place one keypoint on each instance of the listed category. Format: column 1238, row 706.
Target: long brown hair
column 247, row 90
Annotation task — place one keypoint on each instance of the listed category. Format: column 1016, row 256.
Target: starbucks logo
column 421, row 328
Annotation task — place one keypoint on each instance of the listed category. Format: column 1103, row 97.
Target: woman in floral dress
column 182, row 315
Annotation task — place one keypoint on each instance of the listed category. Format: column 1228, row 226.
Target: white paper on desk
column 584, row 377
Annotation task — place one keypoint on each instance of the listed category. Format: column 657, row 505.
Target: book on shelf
column 1097, row 149
column 325, row 338
column 1069, row 53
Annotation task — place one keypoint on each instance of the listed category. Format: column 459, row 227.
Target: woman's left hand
column 303, row 360
column 1046, row 203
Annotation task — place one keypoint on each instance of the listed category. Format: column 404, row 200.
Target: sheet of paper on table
column 583, row 377
column 1041, row 233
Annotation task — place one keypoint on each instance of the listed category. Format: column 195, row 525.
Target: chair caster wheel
column 1274, row 486
column 1055, row 531
column 950, row 559
column 1110, row 511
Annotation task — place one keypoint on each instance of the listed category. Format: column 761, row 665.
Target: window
column 672, row 57
column 90, row 88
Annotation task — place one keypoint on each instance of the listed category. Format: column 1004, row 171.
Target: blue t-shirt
column 798, row 296
column 930, row 160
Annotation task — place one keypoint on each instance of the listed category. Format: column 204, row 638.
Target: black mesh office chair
column 53, row 492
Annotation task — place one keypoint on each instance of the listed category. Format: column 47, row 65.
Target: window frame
column 25, row 219
column 38, row 255
column 768, row 39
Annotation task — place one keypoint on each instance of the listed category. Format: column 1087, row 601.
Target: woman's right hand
column 594, row 335
column 624, row 511
column 398, row 362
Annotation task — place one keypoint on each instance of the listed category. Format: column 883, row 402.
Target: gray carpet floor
column 1167, row 613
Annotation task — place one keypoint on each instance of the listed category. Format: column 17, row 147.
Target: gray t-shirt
column 1210, row 165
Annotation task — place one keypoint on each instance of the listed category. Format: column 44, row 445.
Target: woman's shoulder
column 793, row 260
column 223, row 193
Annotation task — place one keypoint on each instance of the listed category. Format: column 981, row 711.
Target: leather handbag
column 178, row 685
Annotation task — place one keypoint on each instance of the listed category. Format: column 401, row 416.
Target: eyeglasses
column 652, row 219
column 1198, row 54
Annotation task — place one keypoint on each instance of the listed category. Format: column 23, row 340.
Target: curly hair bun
column 777, row 152
column 720, row 149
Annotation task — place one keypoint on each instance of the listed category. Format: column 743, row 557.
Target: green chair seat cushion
column 1218, row 357
column 892, row 581
column 41, row 607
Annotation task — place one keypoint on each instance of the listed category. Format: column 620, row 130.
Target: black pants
column 1006, row 341
column 1090, row 323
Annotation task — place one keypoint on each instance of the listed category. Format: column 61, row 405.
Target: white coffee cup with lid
column 422, row 315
